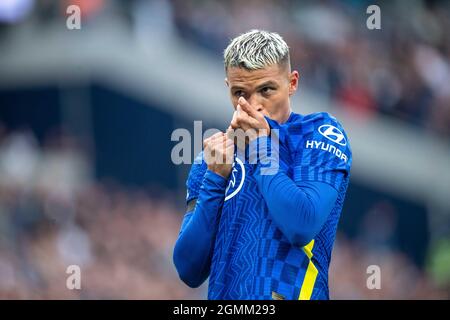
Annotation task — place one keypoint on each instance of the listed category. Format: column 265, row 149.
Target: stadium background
column 86, row 118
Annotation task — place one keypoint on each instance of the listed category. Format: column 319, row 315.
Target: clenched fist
column 219, row 153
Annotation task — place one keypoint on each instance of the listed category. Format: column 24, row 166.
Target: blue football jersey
column 252, row 259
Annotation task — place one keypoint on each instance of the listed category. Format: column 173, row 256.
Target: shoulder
column 307, row 123
column 321, row 144
column 320, row 126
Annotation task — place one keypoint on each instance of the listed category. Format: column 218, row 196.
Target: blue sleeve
column 298, row 207
column 299, row 210
column 195, row 243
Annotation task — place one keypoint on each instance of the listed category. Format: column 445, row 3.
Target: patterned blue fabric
column 252, row 258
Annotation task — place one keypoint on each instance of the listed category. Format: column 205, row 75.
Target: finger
column 234, row 124
column 240, row 112
column 235, row 115
column 206, row 142
column 242, row 116
column 243, row 119
column 210, row 141
column 216, row 138
column 229, row 151
column 230, row 133
column 217, row 135
column 219, row 149
column 245, row 106
column 226, row 139
column 218, row 141
column 220, row 144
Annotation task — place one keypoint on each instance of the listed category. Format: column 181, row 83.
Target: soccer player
column 255, row 234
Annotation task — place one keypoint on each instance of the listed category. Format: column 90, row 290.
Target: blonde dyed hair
column 256, row 49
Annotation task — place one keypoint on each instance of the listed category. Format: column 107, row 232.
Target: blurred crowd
column 402, row 70
column 54, row 214
column 354, row 268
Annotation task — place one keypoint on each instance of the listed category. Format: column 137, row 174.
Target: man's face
column 268, row 89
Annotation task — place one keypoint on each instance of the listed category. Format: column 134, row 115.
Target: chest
column 243, row 200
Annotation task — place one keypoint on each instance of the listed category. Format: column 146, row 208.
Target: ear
column 226, row 82
column 293, row 82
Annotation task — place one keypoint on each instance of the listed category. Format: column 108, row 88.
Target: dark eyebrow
column 264, row 84
column 267, row 83
column 233, row 88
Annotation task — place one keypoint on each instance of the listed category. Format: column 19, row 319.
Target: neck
column 285, row 116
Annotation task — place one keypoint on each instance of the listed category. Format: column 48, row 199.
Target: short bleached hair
column 256, row 49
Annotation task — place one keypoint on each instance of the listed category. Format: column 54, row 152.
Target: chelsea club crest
column 237, row 178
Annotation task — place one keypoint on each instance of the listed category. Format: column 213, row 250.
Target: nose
column 254, row 102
